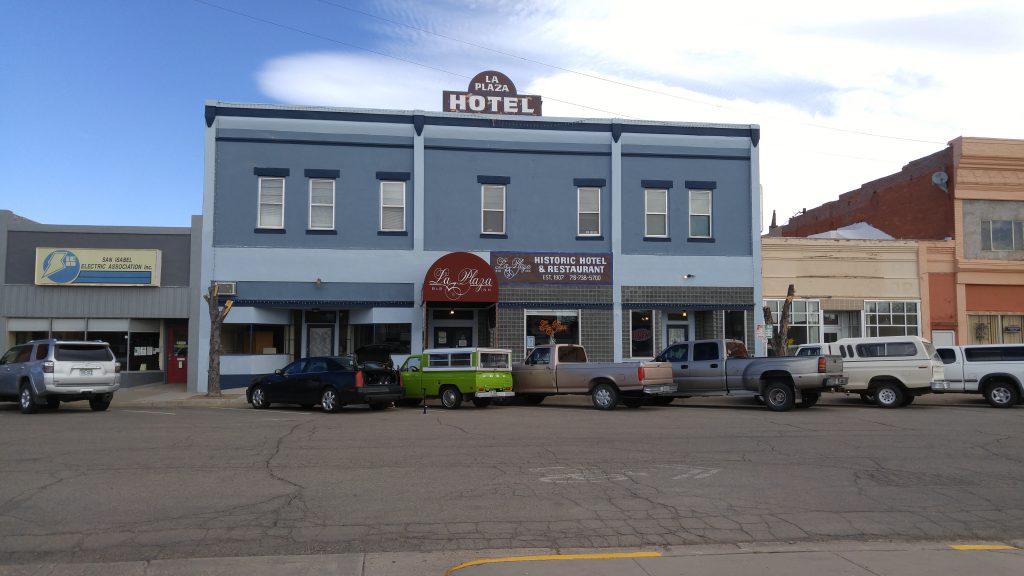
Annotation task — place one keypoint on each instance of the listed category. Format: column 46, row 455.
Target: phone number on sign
column 572, row 277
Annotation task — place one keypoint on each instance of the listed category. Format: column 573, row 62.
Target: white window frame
column 380, row 220
column 260, row 203
column 647, row 212
column 483, row 191
column 872, row 329
column 580, row 212
column 711, row 197
column 331, row 205
column 1016, row 233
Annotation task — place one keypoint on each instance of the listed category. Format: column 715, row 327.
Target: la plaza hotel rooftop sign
column 491, row 92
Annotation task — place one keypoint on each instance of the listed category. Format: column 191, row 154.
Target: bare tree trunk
column 217, row 316
column 780, row 331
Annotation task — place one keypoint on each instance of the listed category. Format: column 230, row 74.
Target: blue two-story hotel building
column 336, row 228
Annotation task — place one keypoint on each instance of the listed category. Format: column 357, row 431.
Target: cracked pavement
column 136, row 485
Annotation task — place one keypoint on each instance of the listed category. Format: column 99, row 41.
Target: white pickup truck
column 994, row 370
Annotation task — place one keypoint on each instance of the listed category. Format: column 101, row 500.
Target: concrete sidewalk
column 175, row 395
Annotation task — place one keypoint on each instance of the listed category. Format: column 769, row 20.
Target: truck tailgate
column 657, row 372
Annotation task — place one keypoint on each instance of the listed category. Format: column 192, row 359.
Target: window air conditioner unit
column 226, row 288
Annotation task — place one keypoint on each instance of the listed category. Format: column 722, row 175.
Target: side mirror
column 279, row 372
column 414, row 368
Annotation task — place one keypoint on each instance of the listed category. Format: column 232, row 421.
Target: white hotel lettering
column 496, row 104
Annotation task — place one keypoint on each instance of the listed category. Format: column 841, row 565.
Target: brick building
column 971, row 193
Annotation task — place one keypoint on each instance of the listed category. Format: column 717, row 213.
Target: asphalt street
column 158, row 484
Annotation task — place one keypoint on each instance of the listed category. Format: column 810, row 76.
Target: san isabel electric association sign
column 491, row 92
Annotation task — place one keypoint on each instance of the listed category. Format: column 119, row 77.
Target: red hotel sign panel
column 552, row 267
column 460, row 277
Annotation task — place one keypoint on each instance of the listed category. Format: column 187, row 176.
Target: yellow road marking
column 553, row 557
column 982, row 547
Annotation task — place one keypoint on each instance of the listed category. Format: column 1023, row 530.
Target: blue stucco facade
column 370, row 281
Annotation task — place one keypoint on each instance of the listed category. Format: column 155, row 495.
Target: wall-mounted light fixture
column 451, row 312
column 318, row 283
column 688, row 276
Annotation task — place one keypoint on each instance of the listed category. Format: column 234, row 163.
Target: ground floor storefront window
column 552, row 327
column 995, row 328
column 254, row 339
column 134, row 342
column 891, row 318
column 397, row 336
column 641, row 334
column 804, row 320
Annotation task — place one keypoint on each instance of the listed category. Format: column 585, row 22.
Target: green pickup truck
column 452, row 374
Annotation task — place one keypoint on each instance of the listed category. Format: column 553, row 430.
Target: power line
column 617, row 82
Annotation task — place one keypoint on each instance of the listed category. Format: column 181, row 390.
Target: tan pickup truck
column 563, row 369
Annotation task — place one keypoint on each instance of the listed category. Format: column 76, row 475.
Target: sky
column 101, row 105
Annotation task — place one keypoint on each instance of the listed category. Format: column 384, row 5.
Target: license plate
column 85, row 372
column 840, row 381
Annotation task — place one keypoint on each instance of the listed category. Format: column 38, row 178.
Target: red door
column 177, row 353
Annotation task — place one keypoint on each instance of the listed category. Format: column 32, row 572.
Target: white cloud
column 921, row 71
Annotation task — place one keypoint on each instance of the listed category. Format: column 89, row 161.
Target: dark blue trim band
column 517, row 151
column 322, row 232
column 392, row 233
column 701, row 184
column 310, row 142
column 656, row 239
column 484, row 121
column 273, row 172
column 683, row 156
column 269, row 230
column 495, row 236
column 482, row 179
column 701, row 240
column 589, row 182
column 393, row 176
column 314, row 173
column 590, row 237
column 667, row 184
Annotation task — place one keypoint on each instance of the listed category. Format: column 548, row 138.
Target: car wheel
column 1002, row 394
column 53, row 403
column 867, row 398
column 889, row 395
column 604, row 396
column 633, row 402
column 451, row 397
column 534, row 399
column 779, row 397
column 409, row 402
column 258, row 398
column 809, row 399
column 481, row 402
column 27, row 400
column 100, row 404
column 329, row 400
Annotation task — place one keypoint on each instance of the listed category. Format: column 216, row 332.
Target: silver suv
column 48, row 372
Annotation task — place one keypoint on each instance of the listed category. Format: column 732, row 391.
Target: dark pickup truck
column 723, row 368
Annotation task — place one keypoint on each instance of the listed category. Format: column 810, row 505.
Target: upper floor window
column 321, row 204
column 589, row 209
column 700, row 213
column 392, row 206
column 271, row 213
column 493, row 213
column 656, row 213
column 1002, row 235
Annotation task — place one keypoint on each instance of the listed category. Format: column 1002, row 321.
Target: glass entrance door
column 320, row 341
column 677, row 333
column 453, row 337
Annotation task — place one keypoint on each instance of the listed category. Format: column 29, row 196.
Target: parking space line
column 483, row 561
column 981, row 547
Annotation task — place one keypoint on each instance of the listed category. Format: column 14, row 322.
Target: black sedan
column 330, row 381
